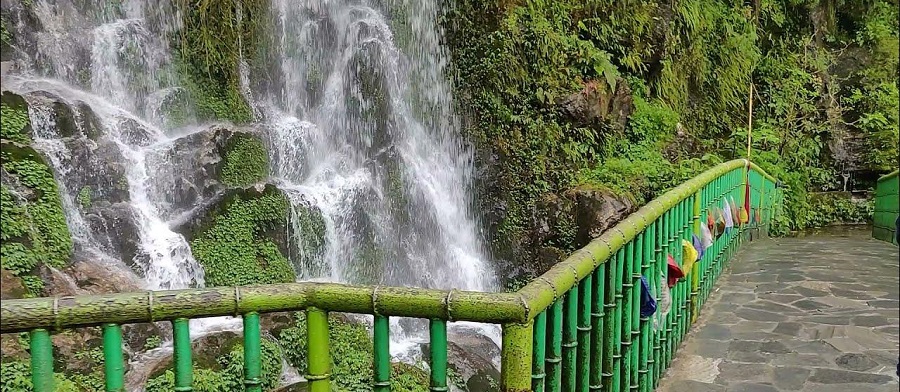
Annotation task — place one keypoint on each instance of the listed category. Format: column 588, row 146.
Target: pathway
column 817, row 313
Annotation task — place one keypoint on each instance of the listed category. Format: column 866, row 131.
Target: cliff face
column 824, row 73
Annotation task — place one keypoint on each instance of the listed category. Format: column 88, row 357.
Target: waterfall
column 364, row 131
column 359, row 122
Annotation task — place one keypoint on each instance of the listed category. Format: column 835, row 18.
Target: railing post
column 696, row 270
column 184, row 372
column 113, row 362
column 252, row 353
column 438, row 338
column 515, row 363
column 319, row 353
column 41, row 361
column 382, row 352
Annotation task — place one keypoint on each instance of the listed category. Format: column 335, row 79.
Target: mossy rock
column 33, row 228
column 232, row 247
column 14, row 122
column 245, row 161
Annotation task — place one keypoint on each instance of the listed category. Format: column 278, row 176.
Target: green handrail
column 887, row 207
column 576, row 327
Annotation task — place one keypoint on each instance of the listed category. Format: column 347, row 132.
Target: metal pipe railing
column 576, row 327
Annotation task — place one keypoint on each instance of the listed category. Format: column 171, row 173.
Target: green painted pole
column 627, row 307
column 113, row 361
column 539, row 342
column 382, row 354
column 184, row 372
column 584, row 333
column 609, row 329
column 438, row 334
column 318, row 351
column 515, row 362
column 697, row 270
column 597, row 314
column 41, row 361
column 252, row 353
column 619, row 323
column 636, row 263
column 647, row 335
column 554, row 356
column 658, row 280
column 570, row 340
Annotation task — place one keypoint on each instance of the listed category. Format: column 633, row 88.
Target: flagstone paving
column 818, row 313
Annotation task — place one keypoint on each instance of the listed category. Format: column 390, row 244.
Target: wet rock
column 471, row 355
column 116, row 228
column 205, row 352
column 597, row 210
column 11, row 286
column 310, row 224
column 300, row 386
column 57, row 283
column 192, row 167
column 97, row 277
column 598, row 105
column 134, row 134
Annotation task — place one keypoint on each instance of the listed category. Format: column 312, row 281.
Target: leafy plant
column 246, row 161
column 233, row 252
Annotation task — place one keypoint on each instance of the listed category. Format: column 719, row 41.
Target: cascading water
column 363, row 132
column 359, row 119
column 114, row 61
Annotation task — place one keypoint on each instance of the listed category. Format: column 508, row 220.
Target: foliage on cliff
column 246, row 161
column 32, row 222
column 215, row 36
column 823, row 72
column 234, row 251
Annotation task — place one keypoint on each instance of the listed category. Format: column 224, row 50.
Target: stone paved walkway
column 817, row 313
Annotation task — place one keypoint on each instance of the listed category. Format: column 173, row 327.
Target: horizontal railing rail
column 578, row 324
column 887, row 207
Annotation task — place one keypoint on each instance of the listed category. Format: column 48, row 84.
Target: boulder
column 597, row 105
column 189, row 168
column 11, row 286
column 115, row 226
column 300, row 386
column 471, row 355
column 596, row 210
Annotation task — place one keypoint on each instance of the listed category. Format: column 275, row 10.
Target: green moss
column 246, row 161
column 234, row 252
column 208, row 51
column 84, row 197
column 14, row 121
column 33, row 229
column 152, row 343
column 205, row 380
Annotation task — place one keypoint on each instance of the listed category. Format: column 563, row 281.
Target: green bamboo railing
column 576, row 327
column 887, row 207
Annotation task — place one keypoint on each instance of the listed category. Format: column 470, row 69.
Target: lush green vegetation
column 234, row 251
column 822, row 70
column 209, row 47
column 246, row 161
column 32, row 222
